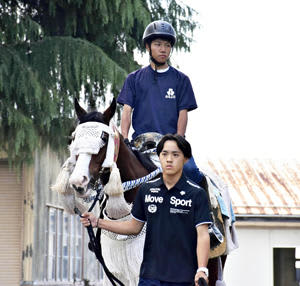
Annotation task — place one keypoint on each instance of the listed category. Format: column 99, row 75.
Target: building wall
column 252, row 263
column 11, row 217
column 46, row 168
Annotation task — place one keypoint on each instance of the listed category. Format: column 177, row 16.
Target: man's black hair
column 182, row 144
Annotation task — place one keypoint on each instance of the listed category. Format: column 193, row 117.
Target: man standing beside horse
column 176, row 210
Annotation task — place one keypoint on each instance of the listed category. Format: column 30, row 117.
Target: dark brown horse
column 89, row 167
column 128, row 164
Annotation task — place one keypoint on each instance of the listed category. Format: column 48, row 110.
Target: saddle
column 144, row 148
column 147, row 141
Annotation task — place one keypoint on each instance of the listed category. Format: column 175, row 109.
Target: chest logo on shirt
column 170, row 94
column 179, row 202
column 153, row 199
column 154, row 190
column 152, row 208
column 182, row 193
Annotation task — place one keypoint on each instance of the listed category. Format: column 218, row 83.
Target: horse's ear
column 110, row 111
column 79, row 110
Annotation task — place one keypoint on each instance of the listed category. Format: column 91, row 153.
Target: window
column 64, row 246
column 286, row 266
column 297, row 265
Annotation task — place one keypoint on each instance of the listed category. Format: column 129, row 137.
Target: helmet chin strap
column 156, row 63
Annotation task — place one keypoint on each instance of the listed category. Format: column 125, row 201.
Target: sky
column 244, row 66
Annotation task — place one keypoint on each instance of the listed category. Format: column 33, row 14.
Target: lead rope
column 132, row 184
column 135, row 183
column 96, row 245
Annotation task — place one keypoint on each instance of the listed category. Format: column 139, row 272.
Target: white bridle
column 88, row 140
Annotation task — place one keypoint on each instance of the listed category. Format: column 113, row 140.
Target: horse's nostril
column 84, row 180
column 78, row 189
column 74, row 187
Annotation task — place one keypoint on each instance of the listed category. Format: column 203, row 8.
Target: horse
column 98, row 152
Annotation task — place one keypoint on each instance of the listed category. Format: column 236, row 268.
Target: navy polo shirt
column 156, row 99
column 171, row 237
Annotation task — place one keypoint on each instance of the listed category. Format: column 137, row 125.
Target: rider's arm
column 126, row 120
column 182, row 122
column 128, row 227
column 203, row 247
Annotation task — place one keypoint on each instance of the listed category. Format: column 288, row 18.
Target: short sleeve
column 186, row 97
column 138, row 209
column 201, row 212
column 127, row 94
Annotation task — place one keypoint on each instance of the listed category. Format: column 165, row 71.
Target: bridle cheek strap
column 113, row 146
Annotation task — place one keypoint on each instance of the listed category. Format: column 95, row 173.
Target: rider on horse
column 158, row 96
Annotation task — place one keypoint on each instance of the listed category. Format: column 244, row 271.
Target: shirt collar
column 160, row 73
column 181, row 184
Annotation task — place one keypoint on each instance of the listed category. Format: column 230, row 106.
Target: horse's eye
column 104, row 137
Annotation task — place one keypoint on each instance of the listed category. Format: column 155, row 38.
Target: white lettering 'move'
column 153, row 199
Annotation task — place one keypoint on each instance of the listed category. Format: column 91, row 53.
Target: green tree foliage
column 54, row 50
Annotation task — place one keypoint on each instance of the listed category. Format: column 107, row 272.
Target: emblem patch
column 170, row 94
column 152, row 208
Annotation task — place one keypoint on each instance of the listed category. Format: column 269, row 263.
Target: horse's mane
column 91, row 116
column 145, row 161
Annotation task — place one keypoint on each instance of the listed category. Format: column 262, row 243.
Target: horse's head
column 91, row 148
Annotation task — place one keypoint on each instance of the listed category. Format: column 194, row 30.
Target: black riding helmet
column 159, row 29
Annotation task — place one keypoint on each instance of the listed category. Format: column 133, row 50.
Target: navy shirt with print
column 171, row 237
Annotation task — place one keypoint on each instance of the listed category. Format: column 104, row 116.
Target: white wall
column 252, row 263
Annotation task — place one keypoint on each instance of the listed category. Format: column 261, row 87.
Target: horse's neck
column 130, row 168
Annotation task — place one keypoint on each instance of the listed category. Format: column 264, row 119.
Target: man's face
column 171, row 158
column 160, row 49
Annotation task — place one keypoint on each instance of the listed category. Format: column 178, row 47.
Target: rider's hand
column 127, row 142
column 89, row 219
